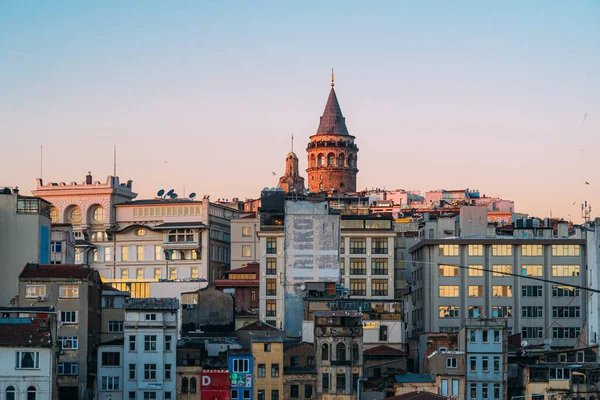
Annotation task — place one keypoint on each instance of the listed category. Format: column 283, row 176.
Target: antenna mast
column 42, row 162
column 115, row 161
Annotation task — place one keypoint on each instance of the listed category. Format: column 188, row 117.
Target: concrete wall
column 21, row 379
column 214, row 308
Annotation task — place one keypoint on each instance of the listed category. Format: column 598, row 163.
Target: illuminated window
column 194, row 273
column 140, row 253
column 448, row 311
column 246, row 250
column 157, row 253
column 271, row 308
column 475, row 270
column 107, row 254
column 172, row 273
column 531, row 270
column 565, row 250
column 124, row 273
column 502, row 291
column 98, row 214
column 358, row 245
column 448, row 249
column 448, row 270
column 475, row 291
column 246, row 231
column 139, row 273
column 271, row 266
column 157, row 274
column 124, row 253
column 358, row 287
column 501, row 250
column 379, row 287
column 75, row 216
column 379, row 266
column 532, row 250
column 448, row 291
column 271, row 245
column 502, row 270
column 68, row 292
column 271, row 287
column 476, row 250
column 140, row 232
column 54, row 215
column 358, row 266
column 565, row 270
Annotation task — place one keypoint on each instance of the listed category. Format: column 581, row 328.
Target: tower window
column 341, row 160
column 330, row 159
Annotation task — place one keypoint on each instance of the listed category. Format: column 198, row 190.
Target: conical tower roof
column 332, row 121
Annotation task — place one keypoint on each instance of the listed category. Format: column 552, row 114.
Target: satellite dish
column 170, row 192
column 548, row 341
column 524, row 343
column 303, row 287
column 160, row 192
column 174, row 196
column 192, row 195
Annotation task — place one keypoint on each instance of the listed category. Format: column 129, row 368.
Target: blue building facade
column 484, row 341
column 241, row 367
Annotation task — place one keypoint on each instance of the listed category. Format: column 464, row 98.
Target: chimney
column 88, row 178
column 563, row 229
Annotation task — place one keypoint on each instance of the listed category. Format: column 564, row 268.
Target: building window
column 557, row 374
column 325, row 383
column 246, row 231
column 340, row 352
column 262, row 370
column 150, row 371
column 485, row 364
column 75, row 216
column 150, row 342
column 131, row 371
column 78, row 255
column 168, row 396
column 35, row 291
column 27, row 360
column 484, row 391
column 157, row 274
column 358, row 245
column 565, row 332
column 531, row 291
column 379, row 287
column 95, row 255
column 308, row 391
column 325, row 352
column 98, row 214
column 358, row 287
column 110, row 383
column 69, row 317
column 379, row 245
column 565, row 270
column 54, row 216
column 502, row 270
column 531, row 250
column 502, row 291
column 454, row 387
column 473, row 364
column 566, row 312
column 271, row 287
column 274, row 370
column 274, row 394
column 261, row 395
column 150, row 317
column 294, row 391
column 448, row 311
column 149, row 395
column 131, row 395
column 502, row 250
column 31, row 393
column 192, row 385
column 172, row 273
column 355, row 353
column 56, row 247
column 69, row 343
column 157, row 253
column 124, row 274
column 271, row 245
column 358, row 266
column 448, row 250
column 168, row 372
column 267, row 347
column 107, row 254
column 448, row 270
column 131, row 342
column 565, row 250
column 532, row 312
column 342, row 246
column 476, row 250
column 241, row 365
column 565, row 291
column 168, row 339
column 340, row 381
column 448, row 291
column 194, row 272
column 140, row 253
column 246, row 250
column 115, row 326
column 271, row 308
column 68, row 292
column 379, row 266
column 475, row 311
column 529, row 332
column 271, row 266
column 472, row 337
column 531, row 270
column 451, row 362
column 111, row 359
column 234, row 394
column 497, row 336
column 180, row 235
column 383, row 333
column 124, row 253
column 496, row 364
column 496, row 391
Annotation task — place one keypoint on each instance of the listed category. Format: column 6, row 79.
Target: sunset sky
column 503, row 97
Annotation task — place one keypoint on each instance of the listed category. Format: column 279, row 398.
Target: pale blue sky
column 438, row 94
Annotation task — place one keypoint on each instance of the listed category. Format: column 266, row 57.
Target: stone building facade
column 332, row 153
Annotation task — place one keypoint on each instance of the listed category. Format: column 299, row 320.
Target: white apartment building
column 110, row 370
column 62, row 244
column 150, row 346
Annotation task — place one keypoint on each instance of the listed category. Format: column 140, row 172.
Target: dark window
column 325, row 352
column 262, row 370
column 192, row 385
column 261, row 395
column 294, row 361
column 184, row 385
column 274, row 370
column 274, row 394
column 379, row 245
column 340, row 381
column 110, row 359
column 310, row 360
column 10, row 393
column 294, row 391
column 383, row 333
column 358, row 246
column 267, row 347
column 355, row 352
column 31, row 393
column 271, row 245
column 354, row 382
column 308, row 391
column 325, row 383
column 340, row 352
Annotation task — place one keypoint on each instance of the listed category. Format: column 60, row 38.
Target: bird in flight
column 587, row 183
column 273, row 173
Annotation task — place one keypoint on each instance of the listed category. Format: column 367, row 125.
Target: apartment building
column 25, row 232
column 300, row 371
column 110, row 370
column 531, row 281
column 75, row 292
column 113, row 313
column 241, row 368
column 244, row 240
column 268, row 367
column 62, row 244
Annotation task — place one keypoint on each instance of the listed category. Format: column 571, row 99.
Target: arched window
column 192, row 385
column 330, row 159
column 350, row 161
column 340, row 352
column 31, row 393
column 74, row 215
column 341, row 160
column 325, row 352
column 184, row 385
column 355, row 351
column 320, row 160
column 10, row 393
column 53, row 216
column 98, row 215
column 313, row 160
column 321, row 187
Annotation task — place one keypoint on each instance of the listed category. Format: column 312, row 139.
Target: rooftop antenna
column 332, row 78
column 115, row 161
column 42, row 162
column 292, row 142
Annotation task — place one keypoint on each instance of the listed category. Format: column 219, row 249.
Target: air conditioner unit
column 42, row 298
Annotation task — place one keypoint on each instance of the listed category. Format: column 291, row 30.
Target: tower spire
column 292, row 142
column 332, row 78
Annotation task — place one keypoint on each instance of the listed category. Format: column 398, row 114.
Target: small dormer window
column 150, row 317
